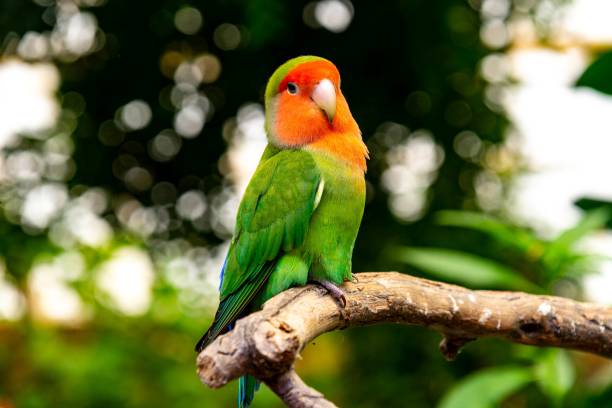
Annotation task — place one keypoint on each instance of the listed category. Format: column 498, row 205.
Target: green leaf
column 590, row 203
column 487, row 388
column 597, row 75
column 555, row 374
column 560, row 249
column 504, row 233
column 592, row 220
column 465, row 268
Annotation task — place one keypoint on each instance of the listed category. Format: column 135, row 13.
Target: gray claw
column 334, row 291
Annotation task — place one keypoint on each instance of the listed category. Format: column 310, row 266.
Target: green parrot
column 301, row 211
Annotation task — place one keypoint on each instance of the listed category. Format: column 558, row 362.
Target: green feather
column 232, row 305
column 275, row 210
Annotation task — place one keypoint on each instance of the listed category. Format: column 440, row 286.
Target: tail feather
column 247, row 386
column 209, row 336
column 234, row 304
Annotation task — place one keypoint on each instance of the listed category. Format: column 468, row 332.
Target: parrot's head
column 304, row 103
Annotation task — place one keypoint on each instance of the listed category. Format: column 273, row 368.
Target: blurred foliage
column 555, row 374
column 409, row 68
column 592, row 203
column 597, row 76
column 487, row 388
column 465, row 268
column 538, row 264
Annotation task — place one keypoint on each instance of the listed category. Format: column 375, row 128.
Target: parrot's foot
column 334, row 291
column 354, row 278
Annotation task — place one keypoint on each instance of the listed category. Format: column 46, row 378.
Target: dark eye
column 292, row 88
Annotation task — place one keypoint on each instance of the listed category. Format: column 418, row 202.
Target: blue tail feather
column 222, row 275
column 247, row 385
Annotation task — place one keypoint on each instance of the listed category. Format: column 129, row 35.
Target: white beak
column 324, row 95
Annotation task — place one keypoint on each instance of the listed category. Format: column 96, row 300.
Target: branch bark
column 265, row 344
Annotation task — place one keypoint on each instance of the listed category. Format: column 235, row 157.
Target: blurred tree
column 158, row 125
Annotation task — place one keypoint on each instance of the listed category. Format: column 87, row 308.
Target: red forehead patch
column 311, row 72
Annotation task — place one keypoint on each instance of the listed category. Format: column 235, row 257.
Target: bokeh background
column 129, row 129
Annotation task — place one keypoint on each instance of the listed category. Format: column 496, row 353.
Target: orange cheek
column 298, row 120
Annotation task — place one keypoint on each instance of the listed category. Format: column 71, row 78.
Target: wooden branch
column 265, row 344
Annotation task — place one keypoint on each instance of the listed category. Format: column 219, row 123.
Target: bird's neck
column 343, row 146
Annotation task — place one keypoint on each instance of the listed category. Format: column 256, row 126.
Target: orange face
column 309, row 105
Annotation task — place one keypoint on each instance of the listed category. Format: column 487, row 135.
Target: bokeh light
column 135, row 115
column 27, row 100
column 125, row 281
column 12, row 301
column 227, row 36
column 334, row 15
column 188, row 20
column 413, row 160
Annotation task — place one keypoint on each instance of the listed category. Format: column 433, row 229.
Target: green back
column 274, row 214
column 273, row 218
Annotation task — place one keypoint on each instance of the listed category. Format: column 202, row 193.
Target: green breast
column 335, row 222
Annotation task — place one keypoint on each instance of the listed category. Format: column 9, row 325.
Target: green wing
column 273, row 218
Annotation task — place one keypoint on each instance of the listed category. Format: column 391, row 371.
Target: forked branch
column 265, row 344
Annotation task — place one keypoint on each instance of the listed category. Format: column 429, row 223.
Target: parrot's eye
column 292, row 88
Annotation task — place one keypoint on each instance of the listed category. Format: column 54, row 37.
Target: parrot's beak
column 324, row 95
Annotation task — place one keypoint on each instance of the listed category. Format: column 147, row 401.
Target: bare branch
column 265, row 344
column 292, row 390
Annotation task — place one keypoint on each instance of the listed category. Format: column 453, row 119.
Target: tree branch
column 265, row 344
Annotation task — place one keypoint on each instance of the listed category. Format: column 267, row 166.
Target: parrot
column 300, row 214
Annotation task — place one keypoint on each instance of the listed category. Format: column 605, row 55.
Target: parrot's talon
column 334, row 291
column 354, row 278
